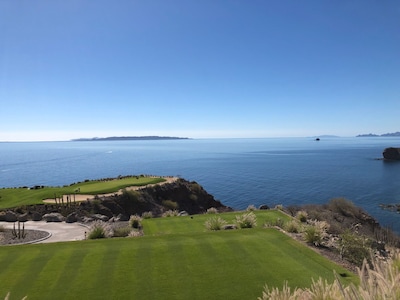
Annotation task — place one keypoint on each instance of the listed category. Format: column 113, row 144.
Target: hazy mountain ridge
column 377, row 135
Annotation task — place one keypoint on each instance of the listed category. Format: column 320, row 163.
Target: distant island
column 131, row 138
column 394, row 134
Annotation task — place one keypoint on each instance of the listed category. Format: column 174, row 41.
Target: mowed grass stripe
column 16, row 268
column 123, row 276
column 46, row 278
column 142, row 262
column 84, row 285
column 70, row 271
column 204, row 265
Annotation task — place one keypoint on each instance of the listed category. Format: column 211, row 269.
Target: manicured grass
column 13, row 197
column 185, row 263
column 190, row 224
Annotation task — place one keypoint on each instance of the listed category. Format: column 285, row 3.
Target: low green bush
column 169, row 204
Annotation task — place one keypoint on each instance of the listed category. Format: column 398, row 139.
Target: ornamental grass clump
column 247, row 220
column 316, row 232
column 292, row 226
column 251, row 207
column 170, row 213
column 212, row 210
column 147, row 215
column 135, row 222
column 215, row 223
column 122, row 231
column 302, row 216
column 381, row 280
column 99, row 230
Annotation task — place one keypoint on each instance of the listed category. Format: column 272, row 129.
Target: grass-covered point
column 177, row 258
column 13, row 197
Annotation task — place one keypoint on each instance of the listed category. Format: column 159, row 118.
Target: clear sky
column 200, row 69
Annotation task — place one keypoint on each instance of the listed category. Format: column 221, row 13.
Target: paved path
column 60, row 231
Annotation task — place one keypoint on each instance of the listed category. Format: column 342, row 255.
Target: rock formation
column 391, row 153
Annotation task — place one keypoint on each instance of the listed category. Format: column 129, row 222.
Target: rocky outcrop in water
column 391, row 153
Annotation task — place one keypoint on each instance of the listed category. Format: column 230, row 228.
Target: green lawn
column 13, row 197
column 182, row 263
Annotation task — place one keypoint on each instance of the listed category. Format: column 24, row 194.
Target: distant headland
column 394, row 134
column 130, row 138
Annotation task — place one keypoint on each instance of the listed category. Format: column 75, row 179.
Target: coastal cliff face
column 391, row 153
column 180, row 195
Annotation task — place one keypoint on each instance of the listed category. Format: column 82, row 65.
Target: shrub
column 170, row 213
column 354, row 248
column 99, row 230
column 215, row 223
column 122, row 231
column 344, row 207
column 169, row 204
column 212, row 210
column 135, row 221
column 302, row 216
column 247, row 220
column 147, row 215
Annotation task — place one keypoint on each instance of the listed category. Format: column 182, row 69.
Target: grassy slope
column 188, row 263
column 12, row 197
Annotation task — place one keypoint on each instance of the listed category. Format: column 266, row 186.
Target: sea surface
column 238, row 172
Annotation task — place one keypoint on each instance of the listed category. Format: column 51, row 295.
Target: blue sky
column 200, row 69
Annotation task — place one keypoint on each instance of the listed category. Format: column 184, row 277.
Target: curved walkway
column 59, row 231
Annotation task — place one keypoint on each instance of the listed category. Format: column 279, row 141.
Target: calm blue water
column 238, row 172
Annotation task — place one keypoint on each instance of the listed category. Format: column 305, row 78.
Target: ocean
column 238, row 172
